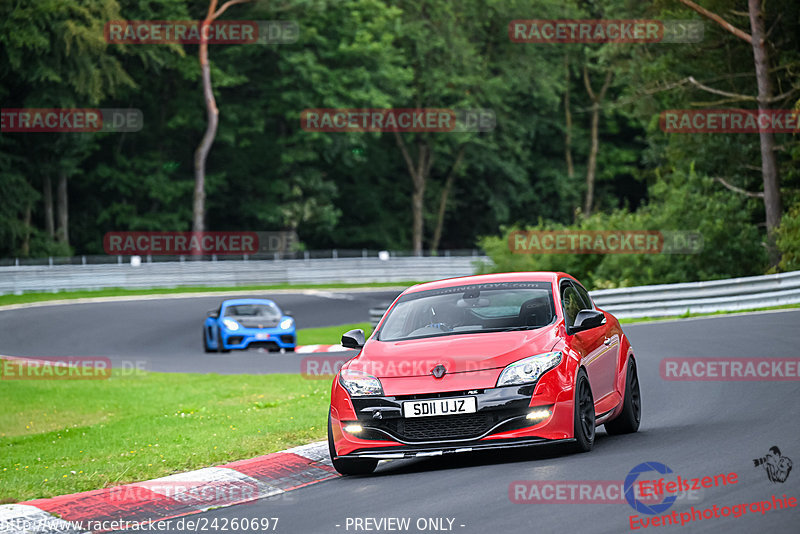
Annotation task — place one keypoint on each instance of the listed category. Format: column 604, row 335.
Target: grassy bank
column 119, row 292
column 328, row 335
column 64, row 436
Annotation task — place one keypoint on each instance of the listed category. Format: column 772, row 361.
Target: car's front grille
column 446, row 427
column 436, row 428
column 258, row 322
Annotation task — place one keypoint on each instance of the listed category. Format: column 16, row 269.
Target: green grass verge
column 64, row 436
column 690, row 315
column 119, row 292
column 328, row 335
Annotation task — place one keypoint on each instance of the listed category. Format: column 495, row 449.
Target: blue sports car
column 245, row 323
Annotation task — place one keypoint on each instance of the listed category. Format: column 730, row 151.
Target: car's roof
column 529, row 276
column 233, row 302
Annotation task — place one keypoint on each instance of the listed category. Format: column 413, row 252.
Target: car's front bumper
column 499, row 422
column 270, row 338
column 398, row 453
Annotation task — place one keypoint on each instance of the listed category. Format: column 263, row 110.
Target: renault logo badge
column 438, row 371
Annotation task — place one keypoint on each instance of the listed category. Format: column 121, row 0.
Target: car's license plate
column 447, row 406
column 262, row 336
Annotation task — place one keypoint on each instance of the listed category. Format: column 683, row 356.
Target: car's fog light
column 539, row 415
column 353, row 429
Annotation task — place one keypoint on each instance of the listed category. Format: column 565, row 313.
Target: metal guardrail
column 695, row 297
column 56, row 278
column 701, row 297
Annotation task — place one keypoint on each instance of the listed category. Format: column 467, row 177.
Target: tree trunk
column 26, row 237
column 47, row 196
column 200, row 155
column 63, row 209
column 769, row 166
column 448, row 185
column 419, row 177
column 568, row 121
column 591, row 166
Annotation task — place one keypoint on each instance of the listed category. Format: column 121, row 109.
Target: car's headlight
column 230, row 324
column 359, row 383
column 287, row 323
column 528, row 370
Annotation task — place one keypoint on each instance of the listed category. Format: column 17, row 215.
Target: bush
column 732, row 245
column 788, row 239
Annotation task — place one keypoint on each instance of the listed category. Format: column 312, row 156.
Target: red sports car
column 483, row 362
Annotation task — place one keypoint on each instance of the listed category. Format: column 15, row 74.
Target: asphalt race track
column 165, row 334
column 697, row 428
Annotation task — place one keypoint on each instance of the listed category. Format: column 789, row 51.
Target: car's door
column 598, row 350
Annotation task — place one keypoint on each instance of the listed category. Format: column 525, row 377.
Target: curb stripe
column 286, row 471
column 16, row 518
column 177, row 495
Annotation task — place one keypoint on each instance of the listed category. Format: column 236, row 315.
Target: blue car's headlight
column 230, row 324
column 287, row 323
column 528, row 370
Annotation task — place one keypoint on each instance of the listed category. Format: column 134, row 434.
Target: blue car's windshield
column 269, row 311
column 470, row 309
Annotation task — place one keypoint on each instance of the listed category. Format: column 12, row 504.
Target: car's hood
column 458, row 353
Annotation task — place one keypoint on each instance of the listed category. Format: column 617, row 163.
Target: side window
column 572, row 304
column 587, row 301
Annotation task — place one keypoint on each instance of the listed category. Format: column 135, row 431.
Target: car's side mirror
column 213, row 313
column 353, row 339
column 588, row 319
column 287, row 313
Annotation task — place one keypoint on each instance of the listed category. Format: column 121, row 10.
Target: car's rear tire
column 205, row 342
column 349, row 466
column 627, row 421
column 584, row 416
column 220, row 345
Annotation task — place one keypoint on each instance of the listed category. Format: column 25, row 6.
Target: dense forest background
column 577, row 142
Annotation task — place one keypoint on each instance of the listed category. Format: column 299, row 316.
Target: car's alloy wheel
column 349, row 466
column 584, row 423
column 628, row 420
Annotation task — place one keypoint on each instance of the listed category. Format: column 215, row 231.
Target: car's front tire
column 584, row 416
column 206, row 348
column 627, row 421
column 220, row 344
column 349, row 466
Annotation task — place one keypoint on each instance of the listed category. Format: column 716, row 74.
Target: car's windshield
column 253, row 310
column 470, row 309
